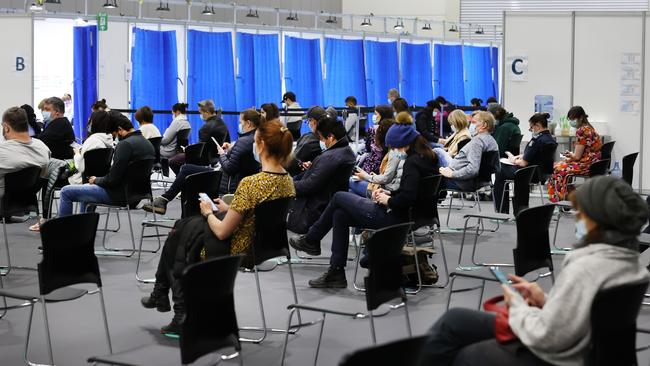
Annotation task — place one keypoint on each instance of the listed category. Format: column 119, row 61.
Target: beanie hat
column 316, row 112
column 613, row 204
column 401, row 135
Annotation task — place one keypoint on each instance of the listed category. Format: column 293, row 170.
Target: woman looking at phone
column 554, row 328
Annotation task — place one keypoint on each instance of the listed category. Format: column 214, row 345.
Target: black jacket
column 58, row 135
column 406, row 196
column 134, row 147
column 426, row 125
column 329, row 173
column 238, row 163
column 214, row 127
column 307, row 149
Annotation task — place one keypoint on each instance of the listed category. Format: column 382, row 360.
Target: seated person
column 506, row 127
column 386, row 208
column 554, row 328
column 426, row 125
column 540, row 151
column 372, row 158
column 390, row 170
column 144, row 116
column 168, row 148
column 18, row 150
column 459, row 126
column 462, row 169
column 308, row 145
column 109, row 189
column 327, row 174
column 34, row 127
column 400, row 105
column 228, row 232
column 237, row 161
column 352, row 119
column 57, row 134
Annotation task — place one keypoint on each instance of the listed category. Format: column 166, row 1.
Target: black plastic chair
column 270, row 241
column 206, row 182
column 404, row 352
column 522, row 183
column 533, row 250
column 462, row 144
column 600, row 167
column 514, row 144
column 606, row 151
column 97, row 163
column 67, row 260
column 182, row 139
column 157, row 166
column 194, row 154
column 210, row 322
column 628, row 167
column 383, row 283
column 613, row 325
column 545, row 169
column 20, row 196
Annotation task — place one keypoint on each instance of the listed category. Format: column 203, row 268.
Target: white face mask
column 435, row 114
column 323, row 147
column 390, row 101
column 453, row 129
column 472, row 129
column 375, row 120
column 581, row 230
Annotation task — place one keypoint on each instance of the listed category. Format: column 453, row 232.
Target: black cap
column 316, row 112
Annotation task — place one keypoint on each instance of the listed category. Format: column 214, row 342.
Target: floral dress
column 557, row 184
column 375, row 153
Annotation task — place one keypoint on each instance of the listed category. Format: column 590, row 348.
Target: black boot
column 173, row 329
column 158, row 300
column 333, row 278
column 300, row 243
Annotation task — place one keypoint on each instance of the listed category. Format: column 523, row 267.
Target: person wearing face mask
column 69, row 107
column 237, row 161
column 392, row 95
column 390, row 169
column 328, row 173
column 308, row 145
column 228, row 231
column 462, row 169
column 459, row 125
column 58, row 134
column 539, row 151
column 385, row 208
column 168, row 147
column 144, row 116
column 371, row 160
column 110, row 188
column 586, row 152
column 293, row 123
column 427, row 125
column 554, row 328
column 507, row 127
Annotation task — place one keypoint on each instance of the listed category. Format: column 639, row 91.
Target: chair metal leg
column 103, row 306
column 408, row 319
column 444, row 259
column 47, row 331
column 451, row 290
column 261, row 303
column 137, row 265
column 5, row 271
column 372, row 327
column 320, row 337
column 28, row 333
column 411, row 238
column 480, row 296
column 295, row 294
column 286, row 336
column 356, row 268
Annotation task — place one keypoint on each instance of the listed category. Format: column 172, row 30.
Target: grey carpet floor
column 77, row 330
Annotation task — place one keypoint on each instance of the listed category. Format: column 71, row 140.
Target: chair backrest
column 137, row 181
column 21, row 188
column 426, row 211
column 462, row 143
column 210, row 319
column 206, row 182
column 545, row 166
column 270, row 239
column 628, row 167
column 194, row 154
column 68, row 252
column 182, row 139
column 613, row 325
column 489, row 165
column 404, row 352
column 523, row 177
column 514, row 144
column 599, row 167
column 384, row 280
column 97, row 163
column 533, row 249
column 606, row 150
column 155, row 142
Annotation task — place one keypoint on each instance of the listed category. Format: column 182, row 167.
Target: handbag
column 502, row 331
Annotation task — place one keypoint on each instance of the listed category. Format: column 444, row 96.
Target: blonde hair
column 404, row 118
column 458, row 119
column 487, row 118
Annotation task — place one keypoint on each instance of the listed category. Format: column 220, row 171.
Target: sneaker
column 173, row 329
column 300, row 243
column 159, row 205
column 333, row 278
column 158, row 301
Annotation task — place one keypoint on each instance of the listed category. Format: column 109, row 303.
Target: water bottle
column 616, row 172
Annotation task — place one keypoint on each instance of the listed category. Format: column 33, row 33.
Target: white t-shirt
column 15, row 155
column 149, row 131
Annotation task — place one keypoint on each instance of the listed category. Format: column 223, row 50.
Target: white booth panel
column 113, row 62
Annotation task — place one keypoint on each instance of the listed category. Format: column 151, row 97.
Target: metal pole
column 503, row 61
column 573, row 55
column 642, row 108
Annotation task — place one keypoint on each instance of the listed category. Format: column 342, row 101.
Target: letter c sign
column 518, row 69
column 515, row 69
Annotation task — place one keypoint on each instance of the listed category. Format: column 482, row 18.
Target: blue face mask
column 581, row 230
column 398, row 154
column 573, row 123
column 322, row 145
column 47, row 116
column 256, row 155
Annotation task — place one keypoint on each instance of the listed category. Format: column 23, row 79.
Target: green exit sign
column 102, row 21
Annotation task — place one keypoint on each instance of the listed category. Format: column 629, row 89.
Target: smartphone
column 501, row 277
column 215, row 141
column 204, row 197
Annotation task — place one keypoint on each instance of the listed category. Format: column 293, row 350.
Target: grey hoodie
column 559, row 333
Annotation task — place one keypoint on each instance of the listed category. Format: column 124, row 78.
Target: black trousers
column 464, row 337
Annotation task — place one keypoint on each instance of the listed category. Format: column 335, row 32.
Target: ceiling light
column 366, row 22
column 207, row 11
column 331, row 20
column 399, row 25
column 163, row 8
column 110, row 4
column 427, row 26
column 252, row 15
column 35, row 7
column 453, row 29
column 293, row 16
column 479, row 30
column 53, row 2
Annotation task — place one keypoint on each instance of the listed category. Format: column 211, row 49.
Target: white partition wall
column 16, row 59
column 112, row 62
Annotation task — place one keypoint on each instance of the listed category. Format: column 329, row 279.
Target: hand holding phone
column 501, row 277
column 204, row 197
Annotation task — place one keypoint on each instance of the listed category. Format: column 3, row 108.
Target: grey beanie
column 613, row 204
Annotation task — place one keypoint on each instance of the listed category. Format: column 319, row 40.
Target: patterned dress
column 557, row 184
column 375, row 153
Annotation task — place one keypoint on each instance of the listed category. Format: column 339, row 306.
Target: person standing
column 293, row 123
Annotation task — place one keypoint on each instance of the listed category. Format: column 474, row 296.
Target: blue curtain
column 382, row 70
column 448, row 78
column 85, row 76
column 258, row 75
column 478, row 73
column 210, row 75
column 302, row 70
column 495, row 68
column 344, row 71
column 416, row 86
column 155, row 72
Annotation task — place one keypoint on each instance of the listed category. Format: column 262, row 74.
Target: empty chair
column 404, row 352
column 606, row 151
column 522, row 182
column 204, row 182
column 210, row 322
column 628, row 167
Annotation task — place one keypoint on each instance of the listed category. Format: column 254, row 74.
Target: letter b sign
column 20, row 63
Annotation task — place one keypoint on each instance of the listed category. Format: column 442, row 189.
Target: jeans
column 466, row 337
column 450, row 183
column 347, row 210
column 179, row 181
column 84, row 194
column 359, row 187
column 506, row 172
column 443, row 157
